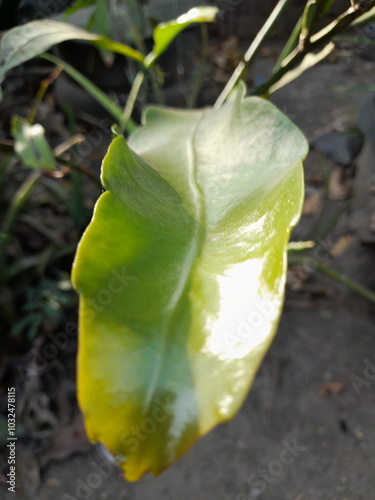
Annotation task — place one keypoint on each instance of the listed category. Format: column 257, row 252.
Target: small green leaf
column 165, row 33
column 181, row 274
column 29, row 40
column 31, row 145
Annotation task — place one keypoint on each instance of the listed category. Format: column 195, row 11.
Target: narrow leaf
column 308, row 62
column 366, row 18
column 327, row 4
column 108, row 104
column 181, row 274
column 100, row 23
column 165, row 33
column 31, row 145
column 29, row 40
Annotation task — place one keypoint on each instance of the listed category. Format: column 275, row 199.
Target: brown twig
column 8, row 147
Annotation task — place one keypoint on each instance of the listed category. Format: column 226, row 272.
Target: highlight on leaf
column 165, row 33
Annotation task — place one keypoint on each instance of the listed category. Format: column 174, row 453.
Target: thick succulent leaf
column 165, row 33
column 29, row 40
column 31, row 144
column 181, row 274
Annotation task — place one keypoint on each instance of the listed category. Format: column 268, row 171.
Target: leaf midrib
column 191, row 255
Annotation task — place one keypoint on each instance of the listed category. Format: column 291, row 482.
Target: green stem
column 316, row 41
column 107, row 103
column 19, row 199
column 289, row 46
column 132, row 99
column 352, row 285
column 331, row 224
column 252, row 51
column 310, row 17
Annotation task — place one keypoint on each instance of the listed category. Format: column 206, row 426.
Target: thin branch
column 349, row 283
column 8, row 147
column 132, row 99
column 319, row 39
column 81, row 168
column 252, row 51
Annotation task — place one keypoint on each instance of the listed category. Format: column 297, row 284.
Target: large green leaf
column 29, row 40
column 181, row 274
column 165, row 33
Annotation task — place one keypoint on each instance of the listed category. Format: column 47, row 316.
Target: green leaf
column 31, row 145
column 165, row 33
column 78, row 5
column 29, row 40
column 100, row 23
column 327, row 4
column 181, row 274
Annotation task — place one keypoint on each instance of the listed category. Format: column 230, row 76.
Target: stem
column 241, row 69
column 331, row 224
column 353, row 285
column 19, row 199
column 41, row 93
column 8, row 146
column 289, row 46
column 316, row 41
column 81, row 168
column 107, row 103
column 310, row 17
column 132, row 99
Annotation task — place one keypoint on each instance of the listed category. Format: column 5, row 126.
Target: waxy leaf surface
column 181, row 274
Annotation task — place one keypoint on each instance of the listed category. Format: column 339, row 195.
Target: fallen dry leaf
column 312, row 203
column 332, row 388
column 341, row 245
column 339, row 186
